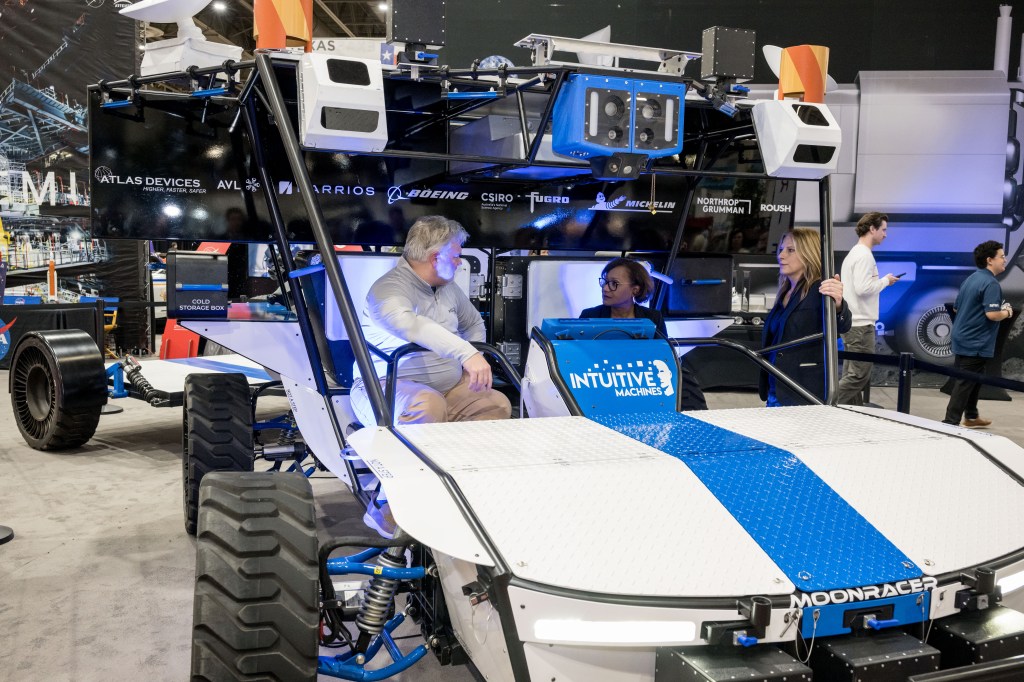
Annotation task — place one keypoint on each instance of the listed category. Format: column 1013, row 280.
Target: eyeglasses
column 612, row 284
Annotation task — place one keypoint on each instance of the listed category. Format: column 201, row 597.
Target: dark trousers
column 963, row 401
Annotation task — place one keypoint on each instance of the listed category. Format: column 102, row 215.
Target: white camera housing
column 799, row 140
column 341, row 104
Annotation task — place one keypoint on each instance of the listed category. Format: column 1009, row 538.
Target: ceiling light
column 220, row 6
column 382, row 6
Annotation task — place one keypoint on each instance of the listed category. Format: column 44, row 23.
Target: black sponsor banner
column 179, row 170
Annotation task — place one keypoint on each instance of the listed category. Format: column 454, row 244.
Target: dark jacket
column 804, row 364
column 603, row 311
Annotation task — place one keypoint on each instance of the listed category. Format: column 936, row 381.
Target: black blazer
column 603, row 311
column 804, row 364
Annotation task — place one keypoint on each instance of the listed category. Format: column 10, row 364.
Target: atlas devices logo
column 5, row 337
column 149, row 183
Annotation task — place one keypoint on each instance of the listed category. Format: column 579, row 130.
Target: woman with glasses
column 625, row 284
column 798, row 313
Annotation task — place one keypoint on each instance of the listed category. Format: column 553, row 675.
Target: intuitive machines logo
column 627, row 380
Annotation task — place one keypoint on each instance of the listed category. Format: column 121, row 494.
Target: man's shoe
column 976, row 423
column 378, row 517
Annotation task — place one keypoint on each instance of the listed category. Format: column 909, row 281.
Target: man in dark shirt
column 979, row 309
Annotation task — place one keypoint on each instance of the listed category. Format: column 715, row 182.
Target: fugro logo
column 538, row 198
column 627, row 380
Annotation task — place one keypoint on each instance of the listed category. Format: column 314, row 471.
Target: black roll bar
column 265, row 68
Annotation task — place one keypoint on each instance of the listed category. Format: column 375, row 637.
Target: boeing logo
column 396, row 194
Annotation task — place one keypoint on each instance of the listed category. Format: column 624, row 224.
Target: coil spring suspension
column 373, row 611
column 133, row 371
column 287, row 436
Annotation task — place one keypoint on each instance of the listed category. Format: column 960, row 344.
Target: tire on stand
column 58, row 388
column 256, row 614
column 217, row 433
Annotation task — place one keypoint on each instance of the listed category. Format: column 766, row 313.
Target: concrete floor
column 97, row 583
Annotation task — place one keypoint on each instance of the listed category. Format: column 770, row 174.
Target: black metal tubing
column 323, row 240
column 828, row 268
column 281, row 236
column 556, row 377
column 135, row 81
column 400, row 352
column 757, row 359
column 790, row 344
column 531, row 158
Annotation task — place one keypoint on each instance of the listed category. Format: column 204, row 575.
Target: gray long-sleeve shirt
column 402, row 308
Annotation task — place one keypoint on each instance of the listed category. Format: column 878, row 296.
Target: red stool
column 178, row 342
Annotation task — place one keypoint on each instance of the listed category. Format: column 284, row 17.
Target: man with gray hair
column 419, row 302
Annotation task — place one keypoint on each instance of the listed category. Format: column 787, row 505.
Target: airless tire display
column 256, row 612
column 217, row 433
column 58, row 388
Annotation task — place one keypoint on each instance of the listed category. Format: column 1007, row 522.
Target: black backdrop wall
column 863, row 35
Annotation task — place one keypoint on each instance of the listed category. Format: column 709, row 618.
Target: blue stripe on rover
column 818, row 540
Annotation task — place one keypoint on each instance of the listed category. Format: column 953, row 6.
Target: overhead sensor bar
column 544, row 47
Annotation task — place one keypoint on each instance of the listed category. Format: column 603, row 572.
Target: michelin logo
column 653, row 378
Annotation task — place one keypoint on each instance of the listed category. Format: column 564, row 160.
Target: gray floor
column 97, row 583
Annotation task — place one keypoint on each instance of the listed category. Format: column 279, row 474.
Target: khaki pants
column 856, row 374
column 419, row 404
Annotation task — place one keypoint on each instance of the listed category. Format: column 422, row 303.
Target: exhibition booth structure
column 604, row 535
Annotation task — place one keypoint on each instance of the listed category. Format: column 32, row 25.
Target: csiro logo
column 5, row 337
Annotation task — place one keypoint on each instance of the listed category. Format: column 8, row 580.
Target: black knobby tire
column 256, row 614
column 58, row 388
column 217, row 433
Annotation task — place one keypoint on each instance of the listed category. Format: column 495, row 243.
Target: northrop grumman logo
column 629, row 379
column 852, row 595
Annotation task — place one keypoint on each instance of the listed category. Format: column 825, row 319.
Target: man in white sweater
column 418, row 302
column 861, row 287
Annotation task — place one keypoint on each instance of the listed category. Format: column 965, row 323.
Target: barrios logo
column 5, row 337
column 631, row 379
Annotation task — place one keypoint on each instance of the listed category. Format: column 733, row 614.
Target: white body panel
column 557, row 495
column 780, row 132
column 169, row 376
column 277, row 346
column 419, row 500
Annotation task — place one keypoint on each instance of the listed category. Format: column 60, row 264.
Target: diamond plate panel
column 809, row 530
column 571, row 503
column 947, row 507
